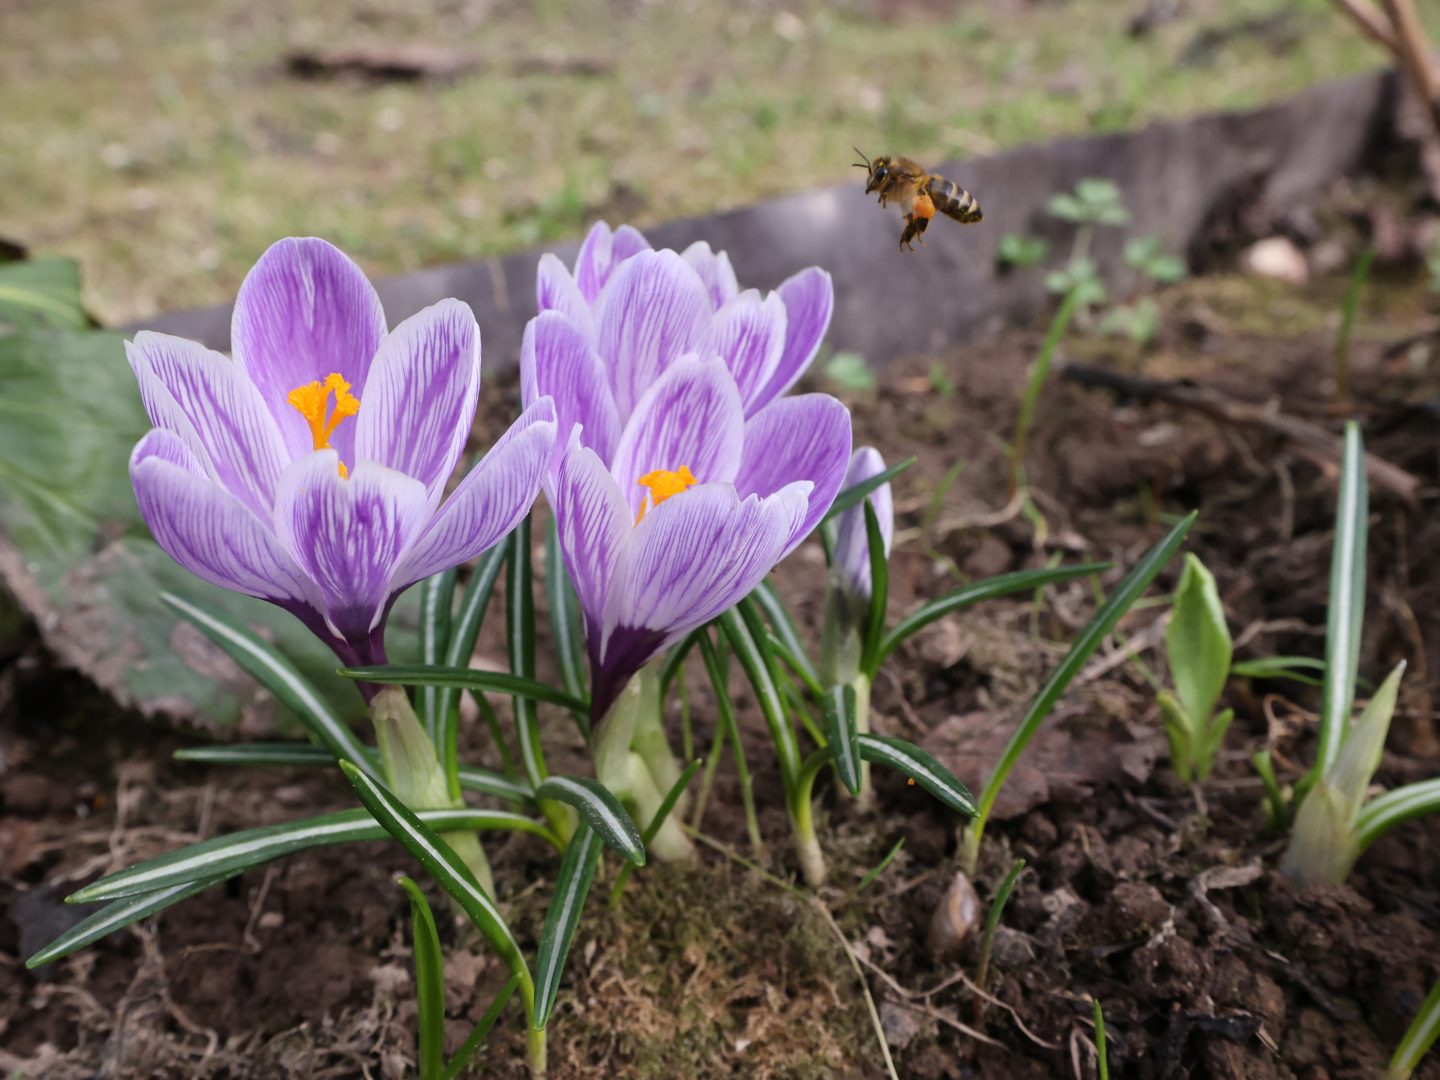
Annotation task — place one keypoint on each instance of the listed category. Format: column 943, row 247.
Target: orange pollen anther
column 662, row 484
column 312, row 401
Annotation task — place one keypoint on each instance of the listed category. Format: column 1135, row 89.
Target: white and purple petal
column 809, row 302
column 797, row 438
column 749, row 334
column 692, row 417
column 693, row 557
column 206, row 529
column 852, row 542
column 489, row 502
column 417, row 406
column 305, row 310
column 601, row 252
column 593, row 523
column 715, row 271
column 652, row 312
column 557, row 361
column 555, row 290
column 211, row 404
column 349, row 535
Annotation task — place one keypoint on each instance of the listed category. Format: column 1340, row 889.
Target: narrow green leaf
column 1279, row 667
column 852, row 495
column 429, row 982
column 1418, row 1039
column 437, row 595
column 572, row 886
column 233, row 852
column 921, row 767
column 565, row 622
column 1346, row 613
column 992, row 922
column 464, row 632
column 118, row 915
column 719, row 672
column 988, row 589
column 520, row 643
column 601, row 810
column 752, row 660
column 498, row 682
column 472, row 778
column 842, row 736
column 480, row 1030
column 1197, row 642
column 800, row 665
column 879, row 868
column 1384, row 812
column 1125, row 594
column 1102, row 1052
column 778, row 615
column 447, row 868
column 874, row 635
column 280, row 677
column 675, row 657
column 1358, row 759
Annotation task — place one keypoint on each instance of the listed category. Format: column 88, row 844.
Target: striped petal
column 852, row 542
column 715, row 271
column 205, row 528
column 305, row 310
column 809, row 302
column 210, row 403
column 419, row 401
column 490, row 501
column 349, row 535
column 601, row 253
column 693, row 557
column 555, row 290
column 651, row 313
column 749, row 333
column 556, row 360
column 797, row 438
column 692, row 418
column 593, row 523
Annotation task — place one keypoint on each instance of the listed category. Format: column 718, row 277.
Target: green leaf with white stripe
column 429, row 982
column 498, row 682
column 437, row 596
column 841, row 733
column 601, row 810
column 223, row 855
column 447, row 868
column 851, row 496
column 920, row 767
column 279, row 676
column 116, row 916
column 572, row 886
column 303, row 755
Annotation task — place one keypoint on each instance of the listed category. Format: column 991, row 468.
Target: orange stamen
column 663, row 484
column 312, row 401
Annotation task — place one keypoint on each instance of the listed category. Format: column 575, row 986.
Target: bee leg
column 913, row 228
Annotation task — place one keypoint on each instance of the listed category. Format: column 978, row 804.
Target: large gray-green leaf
column 74, row 551
column 38, row 293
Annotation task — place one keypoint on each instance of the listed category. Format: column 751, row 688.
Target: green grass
column 163, row 143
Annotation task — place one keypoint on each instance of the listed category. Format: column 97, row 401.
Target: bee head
column 878, row 168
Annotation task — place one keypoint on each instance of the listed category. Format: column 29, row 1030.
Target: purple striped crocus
column 684, row 474
column 310, row 469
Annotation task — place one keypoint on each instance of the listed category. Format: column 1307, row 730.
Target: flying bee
column 920, row 194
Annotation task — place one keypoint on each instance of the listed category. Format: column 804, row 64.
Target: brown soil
column 1160, row 901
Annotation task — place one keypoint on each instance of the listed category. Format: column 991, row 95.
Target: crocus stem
column 633, row 759
column 840, row 649
column 802, row 824
column 535, row 1050
column 413, row 772
column 861, row 683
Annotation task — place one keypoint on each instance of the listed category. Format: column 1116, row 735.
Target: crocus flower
column 685, row 476
column 310, row 469
column 852, row 545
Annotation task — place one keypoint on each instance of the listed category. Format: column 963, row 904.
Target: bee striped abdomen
column 953, row 201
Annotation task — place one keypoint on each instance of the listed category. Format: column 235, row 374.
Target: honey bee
column 920, row 195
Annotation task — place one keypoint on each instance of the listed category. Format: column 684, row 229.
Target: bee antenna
column 864, row 162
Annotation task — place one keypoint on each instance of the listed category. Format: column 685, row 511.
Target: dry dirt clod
column 955, row 917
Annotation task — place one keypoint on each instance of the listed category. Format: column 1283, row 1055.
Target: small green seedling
column 1198, row 645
